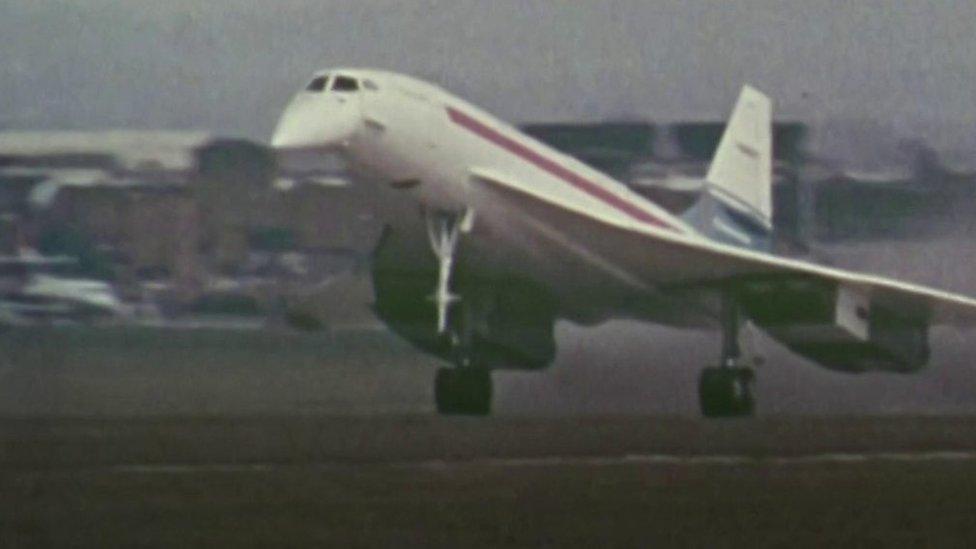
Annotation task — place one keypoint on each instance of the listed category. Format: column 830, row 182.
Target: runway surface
column 426, row 481
column 141, row 438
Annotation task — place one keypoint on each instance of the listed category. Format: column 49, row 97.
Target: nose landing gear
column 443, row 230
column 463, row 391
column 465, row 388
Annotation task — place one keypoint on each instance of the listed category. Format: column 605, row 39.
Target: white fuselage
column 588, row 245
column 424, row 146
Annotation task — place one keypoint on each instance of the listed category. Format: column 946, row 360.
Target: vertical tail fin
column 737, row 206
column 741, row 171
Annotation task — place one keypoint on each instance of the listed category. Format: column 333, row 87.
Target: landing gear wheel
column 726, row 392
column 463, row 391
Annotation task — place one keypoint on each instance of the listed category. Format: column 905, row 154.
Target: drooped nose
column 299, row 128
column 313, row 121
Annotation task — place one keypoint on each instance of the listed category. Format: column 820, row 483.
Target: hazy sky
column 231, row 65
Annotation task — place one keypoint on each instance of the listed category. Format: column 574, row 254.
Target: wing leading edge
column 668, row 260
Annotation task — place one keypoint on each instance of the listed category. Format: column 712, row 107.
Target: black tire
column 726, row 392
column 463, row 391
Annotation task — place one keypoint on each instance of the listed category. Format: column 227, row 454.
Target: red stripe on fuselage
column 554, row 168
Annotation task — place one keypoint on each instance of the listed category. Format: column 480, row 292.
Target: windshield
column 317, row 84
column 345, row 84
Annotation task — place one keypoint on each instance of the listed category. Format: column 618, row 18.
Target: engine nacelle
column 511, row 321
column 838, row 327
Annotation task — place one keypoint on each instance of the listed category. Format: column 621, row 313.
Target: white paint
column 692, row 460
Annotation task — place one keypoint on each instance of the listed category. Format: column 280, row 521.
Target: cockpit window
column 345, row 84
column 317, row 84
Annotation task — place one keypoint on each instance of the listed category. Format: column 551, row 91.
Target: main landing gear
column 726, row 390
column 465, row 388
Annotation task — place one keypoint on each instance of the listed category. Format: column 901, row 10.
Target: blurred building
column 128, row 204
column 186, row 213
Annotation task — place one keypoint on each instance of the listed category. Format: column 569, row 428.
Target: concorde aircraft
column 507, row 235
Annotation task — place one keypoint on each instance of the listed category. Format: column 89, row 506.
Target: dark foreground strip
column 587, row 461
